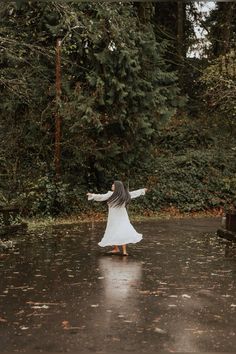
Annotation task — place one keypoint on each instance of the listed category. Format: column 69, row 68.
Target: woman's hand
column 145, row 190
column 89, row 194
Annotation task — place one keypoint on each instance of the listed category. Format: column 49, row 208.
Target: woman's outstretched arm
column 99, row 197
column 137, row 193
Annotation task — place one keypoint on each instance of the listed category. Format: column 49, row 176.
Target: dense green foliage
column 221, row 24
column 219, row 80
column 193, row 170
column 190, row 169
column 120, row 105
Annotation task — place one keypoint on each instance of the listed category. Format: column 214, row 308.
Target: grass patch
column 166, row 214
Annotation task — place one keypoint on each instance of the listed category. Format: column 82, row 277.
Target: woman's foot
column 115, row 250
column 124, row 251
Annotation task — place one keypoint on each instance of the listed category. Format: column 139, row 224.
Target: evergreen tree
column 116, row 90
column 125, row 88
column 222, row 29
column 172, row 22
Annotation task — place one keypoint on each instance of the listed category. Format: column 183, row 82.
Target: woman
column 119, row 230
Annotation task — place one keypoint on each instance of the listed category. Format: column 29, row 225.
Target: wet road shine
column 59, row 292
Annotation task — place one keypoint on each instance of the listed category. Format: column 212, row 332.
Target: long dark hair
column 120, row 195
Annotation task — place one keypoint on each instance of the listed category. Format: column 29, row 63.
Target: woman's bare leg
column 124, row 250
column 115, row 249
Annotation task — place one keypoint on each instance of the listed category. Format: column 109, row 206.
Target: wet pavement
column 59, row 292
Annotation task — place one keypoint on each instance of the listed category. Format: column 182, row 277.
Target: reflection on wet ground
column 174, row 293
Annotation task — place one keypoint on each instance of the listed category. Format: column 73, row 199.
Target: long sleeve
column 100, row 197
column 137, row 193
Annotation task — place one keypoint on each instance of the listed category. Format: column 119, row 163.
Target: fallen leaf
column 159, row 330
column 65, row 324
column 24, row 328
column 40, row 307
column 44, row 303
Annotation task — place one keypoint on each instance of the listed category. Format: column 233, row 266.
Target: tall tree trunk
column 57, row 156
column 181, row 47
column 170, row 20
column 180, row 30
column 227, row 23
column 226, row 12
column 144, row 10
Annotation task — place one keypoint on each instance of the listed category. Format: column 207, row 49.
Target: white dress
column 119, row 230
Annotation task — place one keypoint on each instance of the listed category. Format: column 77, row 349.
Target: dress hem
column 120, row 244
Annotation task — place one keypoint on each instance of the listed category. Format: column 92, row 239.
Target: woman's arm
column 99, row 197
column 137, row 193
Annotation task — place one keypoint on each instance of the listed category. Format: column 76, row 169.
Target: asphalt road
column 175, row 292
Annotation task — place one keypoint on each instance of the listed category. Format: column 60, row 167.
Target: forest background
column 139, row 98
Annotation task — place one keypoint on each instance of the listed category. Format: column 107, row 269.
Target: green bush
column 45, row 197
column 189, row 169
column 198, row 180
